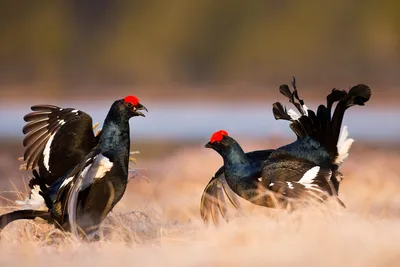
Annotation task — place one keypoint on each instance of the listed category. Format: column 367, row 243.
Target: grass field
column 166, row 229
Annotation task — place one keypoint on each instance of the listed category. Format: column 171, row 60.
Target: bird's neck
column 234, row 155
column 240, row 171
column 115, row 133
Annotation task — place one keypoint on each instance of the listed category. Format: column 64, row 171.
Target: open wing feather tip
column 213, row 203
column 52, row 150
column 233, row 199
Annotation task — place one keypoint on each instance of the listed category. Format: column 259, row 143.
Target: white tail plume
column 343, row 146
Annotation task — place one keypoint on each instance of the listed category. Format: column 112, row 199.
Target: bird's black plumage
column 241, row 172
column 56, row 140
column 285, row 171
column 213, row 199
column 306, row 168
column 94, row 178
column 323, row 126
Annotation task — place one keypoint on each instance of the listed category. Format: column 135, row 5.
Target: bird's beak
column 140, row 107
column 208, row 145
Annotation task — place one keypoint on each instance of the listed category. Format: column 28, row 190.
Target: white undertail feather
column 34, row 202
column 343, row 146
column 293, row 114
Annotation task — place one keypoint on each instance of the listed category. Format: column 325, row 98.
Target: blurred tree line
column 182, row 41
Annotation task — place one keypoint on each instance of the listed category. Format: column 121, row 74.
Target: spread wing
column 56, row 140
column 213, row 198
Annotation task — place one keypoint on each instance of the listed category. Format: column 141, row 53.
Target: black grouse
column 213, row 199
column 306, row 168
column 81, row 176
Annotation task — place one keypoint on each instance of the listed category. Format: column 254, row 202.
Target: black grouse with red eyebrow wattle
column 305, row 169
column 80, row 176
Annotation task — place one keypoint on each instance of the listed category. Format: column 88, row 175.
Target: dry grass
column 170, row 232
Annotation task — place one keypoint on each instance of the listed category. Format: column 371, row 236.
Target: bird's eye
column 130, row 105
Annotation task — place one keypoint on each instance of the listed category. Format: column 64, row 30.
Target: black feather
column 335, row 96
column 36, row 116
column 280, row 112
column 323, row 126
column 284, row 90
column 292, row 97
column 359, row 94
column 48, row 108
column 296, row 96
column 34, row 125
column 34, row 135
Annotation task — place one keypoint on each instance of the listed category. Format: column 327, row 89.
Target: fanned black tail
column 5, row 219
column 323, row 126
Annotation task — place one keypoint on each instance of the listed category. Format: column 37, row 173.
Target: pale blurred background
column 201, row 66
column 158, row 49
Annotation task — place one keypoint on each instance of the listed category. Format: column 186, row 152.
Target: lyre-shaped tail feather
column 323, row 126
column 280, row 111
